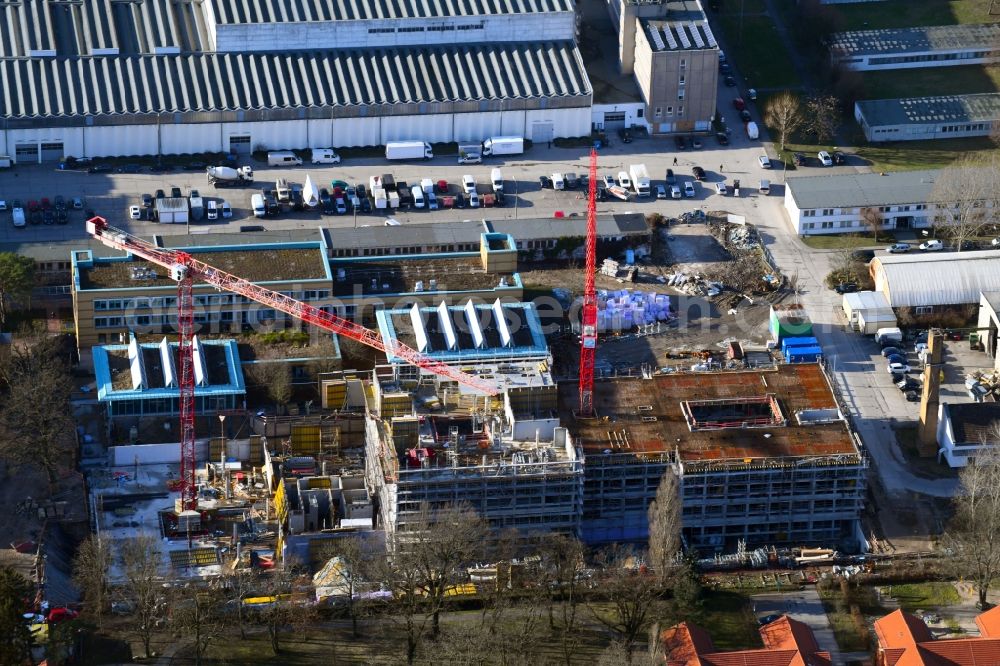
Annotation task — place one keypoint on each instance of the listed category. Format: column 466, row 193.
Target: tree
column 90, row 573
column 17, row 278
column 275, row 378
column 196, row 616
column 352, row 552
column 37, row 431
column 631, row 592
column 283, row 611
column 873, row 220
column 15, row 597
column 562, row 557
column 141, row 561
column 428, row 556
column 823, row 117
column 784, row 114
column 237, row 585
column 974, row 531
column 967, row 198
column 665, row 524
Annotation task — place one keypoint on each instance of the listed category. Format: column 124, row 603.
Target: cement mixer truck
column 223, row 176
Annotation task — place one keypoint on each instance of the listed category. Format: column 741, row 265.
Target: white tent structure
column 309, row 193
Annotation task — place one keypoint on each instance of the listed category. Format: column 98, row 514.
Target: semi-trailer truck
column 408, row 150
column 503, row 145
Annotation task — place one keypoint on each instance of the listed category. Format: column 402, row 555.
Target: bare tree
column 282, row 610
column 967, row 198
column 974, row 531
column 562, row 558
column 632, row 595
column 273, row 377
column 33, row 431
column 237, row 585
column 823, row 117
column 91, row 567
column 352, row 552
column 665, row 524
column 196, row 616
column 783, row 113
column 142, row 590
column 873, row 220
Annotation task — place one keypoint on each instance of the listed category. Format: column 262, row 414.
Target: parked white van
column 283, row 158
column 418, row 196
column 212, row 210
column 325, row 156
column 257, row 204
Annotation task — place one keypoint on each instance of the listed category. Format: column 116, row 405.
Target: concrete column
column 927, row 444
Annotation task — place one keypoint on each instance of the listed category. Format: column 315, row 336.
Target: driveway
column 804, row 606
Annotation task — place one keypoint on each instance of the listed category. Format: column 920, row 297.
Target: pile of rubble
column 741, row 237
column 693, row 284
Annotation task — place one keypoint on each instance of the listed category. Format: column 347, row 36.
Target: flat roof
column 254, row 263
column 289, row 11
column 679, row 33
column 407, row 235
column 145, row 85
column 983, row 107
column 852, row 190
column 618, row 224
column 871, row 301
column 885, row 41
column 377, row 276
column 972, row 422
column 645, row 416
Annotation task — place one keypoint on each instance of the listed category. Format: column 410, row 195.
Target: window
column 680, row 95
column 681, row 80
column 670, row 111
column 658, row 112
column 827, row 211
column 809, row 213
column 923, row 309
column 411, row 29
column 683, row 63
column 638, row 113
column 372, row 31
column 827, row 225
column 680, row 111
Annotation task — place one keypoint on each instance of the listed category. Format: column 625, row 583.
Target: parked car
column 931, row 246
column 459, row 200
column 698, row 173
column 48, row 216
column 729, row 81
column 675, row 192
column 745, row 116
column 661, row 192
column 824, row 158
column 720, row 188
column 739, row 104
column 59, row 202
column 889, row 351
column 340, row 205
column 722, row 138
column 908, row 384
column 846, row 288
column 78, row 202
column 545, row 182
column 800, row 159
column 227, row 210
column 623, row 180
column 839, row 157
column 764, row 161
column 898, row 368
column 134, row 212
column 175, row 192
column 895, row 358
column 768, row 619
column 898, row 248
column 688, row 189
column 160, row 194
column 147, row 201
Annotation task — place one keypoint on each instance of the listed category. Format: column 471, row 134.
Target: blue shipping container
column 803, row 354
column 798, row 342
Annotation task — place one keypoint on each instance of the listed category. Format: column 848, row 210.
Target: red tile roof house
column 787, row 642
column 904, row 640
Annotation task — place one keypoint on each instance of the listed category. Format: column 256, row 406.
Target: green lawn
column 911, row 13
column 727, row 617
column 842, row 241
column 929, row 81
column 924, row 596
column 758, row 52
column 910, row 155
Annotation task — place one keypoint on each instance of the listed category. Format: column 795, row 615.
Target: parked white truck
column 640, row 179
column 503, row 145
column 222, row 176
column 408, row 150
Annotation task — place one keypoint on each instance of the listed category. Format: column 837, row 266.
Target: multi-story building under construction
column 763, row 456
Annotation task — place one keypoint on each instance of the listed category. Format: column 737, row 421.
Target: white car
column 824, row 158
column 688, row 189
column 469, row 184
column 661, row 192
column 898, row 368
column 675, row 192
column 227, row 210
column 134, row 212
column 624, row 180
column 609, row 180
column 995, row 242
column 764, row 162
column 897, row 248
column 931, row 246
column 473, row 199
column 720, row 188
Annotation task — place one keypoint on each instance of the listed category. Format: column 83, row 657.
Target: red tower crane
column 588, row 315
column 185, row 269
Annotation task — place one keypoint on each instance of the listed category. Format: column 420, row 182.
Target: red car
column 33, row 206
column 442, row 187
column 46, row 204
column 738, row 103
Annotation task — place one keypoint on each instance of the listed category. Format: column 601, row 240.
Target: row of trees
column 626, row 590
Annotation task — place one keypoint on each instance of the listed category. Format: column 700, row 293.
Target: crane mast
column 588, row 316
column 185, row 269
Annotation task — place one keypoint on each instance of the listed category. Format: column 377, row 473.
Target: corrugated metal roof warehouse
column 156, row 76
column 951, row 278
